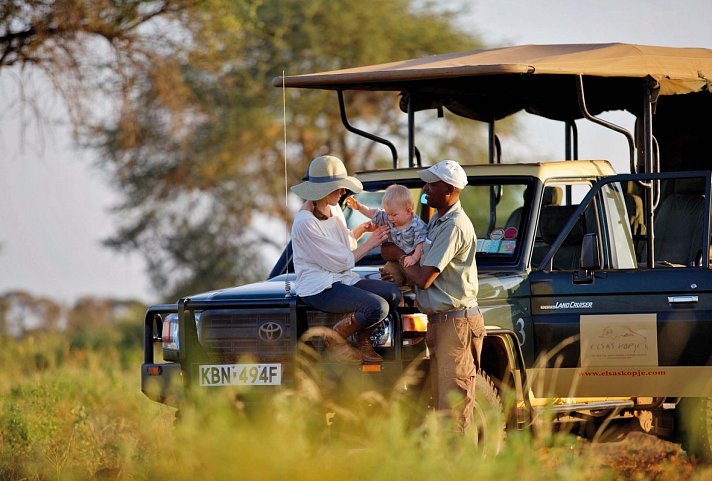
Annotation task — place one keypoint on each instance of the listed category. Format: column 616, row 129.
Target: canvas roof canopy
column 494, row 83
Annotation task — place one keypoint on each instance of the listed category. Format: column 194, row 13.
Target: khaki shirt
column 450, row 247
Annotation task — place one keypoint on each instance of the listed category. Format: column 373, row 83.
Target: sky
column 55, row 204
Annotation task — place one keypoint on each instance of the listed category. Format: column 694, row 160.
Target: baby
column 407, row 231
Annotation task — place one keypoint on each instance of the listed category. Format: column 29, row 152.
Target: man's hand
column 386, row 275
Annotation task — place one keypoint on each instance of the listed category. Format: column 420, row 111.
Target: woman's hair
column 398, row 195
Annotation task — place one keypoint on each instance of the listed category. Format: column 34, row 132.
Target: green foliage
column 201, row 165
column 83, row 417
column 177, row 98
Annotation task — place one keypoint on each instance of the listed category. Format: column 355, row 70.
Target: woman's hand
column 378, row 235
column 363, row 228
column 369, row 226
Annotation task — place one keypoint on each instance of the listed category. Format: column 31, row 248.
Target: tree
column 176, row 97
column 196, row 164
column 21, row 312
column 92, row 313
column 89, row 50
column 93, row 53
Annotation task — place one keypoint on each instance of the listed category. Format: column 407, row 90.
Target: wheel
column 694, row 426
column 488, row 425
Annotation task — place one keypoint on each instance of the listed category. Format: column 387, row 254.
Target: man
column 446, row 287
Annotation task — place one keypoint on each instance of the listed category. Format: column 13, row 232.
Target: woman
column 325, row 252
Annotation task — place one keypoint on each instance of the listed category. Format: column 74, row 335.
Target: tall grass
column 71, row 408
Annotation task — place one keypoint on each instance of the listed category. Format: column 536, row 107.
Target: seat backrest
column 551, row 196
column 552, row 221
column 679, row 222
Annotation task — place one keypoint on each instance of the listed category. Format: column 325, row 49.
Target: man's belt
column 443, row 316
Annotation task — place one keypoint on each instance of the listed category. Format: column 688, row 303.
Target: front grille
column 262, row 335
column 241, row 335
column 319, row 318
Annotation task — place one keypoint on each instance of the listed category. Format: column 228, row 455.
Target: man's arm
column 423, row 277
column 391, row 252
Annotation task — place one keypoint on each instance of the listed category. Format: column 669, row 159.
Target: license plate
column 240, row 375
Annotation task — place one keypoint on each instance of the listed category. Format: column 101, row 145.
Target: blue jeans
column 369, row 299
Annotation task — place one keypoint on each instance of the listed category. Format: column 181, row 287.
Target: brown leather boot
column 347, row 326
column 338, row 344
column 365, row 346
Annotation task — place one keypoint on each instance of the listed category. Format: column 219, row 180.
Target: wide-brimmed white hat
column 448, row 171
column 326, row 174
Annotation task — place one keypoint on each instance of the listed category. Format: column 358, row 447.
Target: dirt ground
column 637, row 456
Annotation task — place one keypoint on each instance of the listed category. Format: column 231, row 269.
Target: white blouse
column 322, row 252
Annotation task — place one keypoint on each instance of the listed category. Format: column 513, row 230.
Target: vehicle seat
column 679, row 222
column 552, row 196
column 552, row 222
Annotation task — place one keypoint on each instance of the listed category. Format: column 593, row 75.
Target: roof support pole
column 571, row 137
column 650, row 166
column 363, row 133
column 411, row 132
column 571, row 147
column 491, row 142
column 650, row 97
column 495, row 148
column 609, row 125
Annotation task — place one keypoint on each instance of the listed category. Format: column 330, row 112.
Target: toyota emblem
column 269, row 331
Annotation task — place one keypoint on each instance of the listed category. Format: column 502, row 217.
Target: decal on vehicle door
column 619, row 340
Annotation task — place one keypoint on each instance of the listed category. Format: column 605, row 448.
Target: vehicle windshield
column 498, row 210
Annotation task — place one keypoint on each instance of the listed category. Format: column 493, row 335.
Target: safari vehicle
column 596, row 287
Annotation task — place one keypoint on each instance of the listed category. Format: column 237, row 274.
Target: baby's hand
column 351, row 202
column 408, row 261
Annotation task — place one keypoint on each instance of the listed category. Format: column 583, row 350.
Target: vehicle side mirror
column 590, row 259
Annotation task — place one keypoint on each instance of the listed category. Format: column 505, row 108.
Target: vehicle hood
column 493, row 287
column 274, row 289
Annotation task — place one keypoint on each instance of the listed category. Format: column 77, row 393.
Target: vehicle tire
column 694, row 426
column 488, row 426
